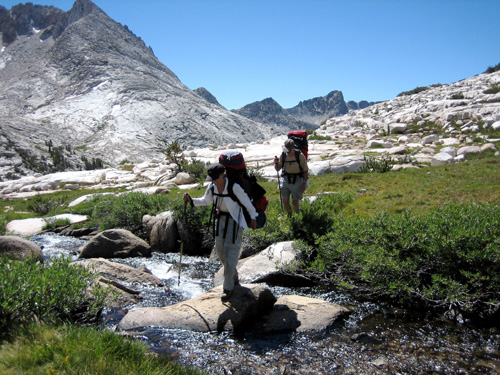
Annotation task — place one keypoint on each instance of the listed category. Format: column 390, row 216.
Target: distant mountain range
column 78, row 89
column 308, row 114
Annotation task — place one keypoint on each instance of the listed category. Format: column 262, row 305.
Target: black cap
column 214, row 171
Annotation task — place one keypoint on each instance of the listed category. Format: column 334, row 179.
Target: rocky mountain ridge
column 90, row 88
column 308, row 114
column 318, row 110
column 269, row 112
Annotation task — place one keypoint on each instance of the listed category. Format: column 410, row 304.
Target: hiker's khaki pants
column 227, row 251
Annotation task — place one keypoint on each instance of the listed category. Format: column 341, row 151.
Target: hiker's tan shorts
column 295, row 190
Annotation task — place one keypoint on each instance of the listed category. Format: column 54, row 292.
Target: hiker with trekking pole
column 295, row 175
column 229, row 200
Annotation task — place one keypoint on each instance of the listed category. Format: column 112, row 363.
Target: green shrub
column 458, row 96
column 313, row 136
column 450, row 257
column 45, row 204
column 277, row 228
column 174, row 155
column 493, row 69
column 377, row 165
column 313, row 220
column 414, row 91
column 195, row 168
column 52, row 293
column 196, row 221
column 494, row 89
column 125, row 210
column 50, row 224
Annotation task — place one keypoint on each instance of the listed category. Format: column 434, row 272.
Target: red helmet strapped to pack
column 232, row 159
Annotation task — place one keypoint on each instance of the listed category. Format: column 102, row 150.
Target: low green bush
column 45, row 204
column 377, row 165
column 447, row 258
column 314, row 220
column 414, row 91
column 197, row 223
column 493, row 69
column 458, row 96
column 494, row 89
column 316, row 137
column 195, row 168
column 51, row 293
column 50, row 224
column 123, row 211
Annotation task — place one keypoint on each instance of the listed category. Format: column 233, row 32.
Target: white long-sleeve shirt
column 227, row 204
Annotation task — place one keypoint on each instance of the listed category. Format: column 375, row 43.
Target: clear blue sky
column 244, row 51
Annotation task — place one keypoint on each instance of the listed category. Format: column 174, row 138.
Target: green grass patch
column 69, row 349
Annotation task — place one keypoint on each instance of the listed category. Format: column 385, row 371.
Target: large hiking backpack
column 236, row 172
column 300, row 139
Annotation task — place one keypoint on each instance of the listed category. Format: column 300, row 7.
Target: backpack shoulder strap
column 297, row 157
column 212, row 189
column 233, row 196
column 230, row 190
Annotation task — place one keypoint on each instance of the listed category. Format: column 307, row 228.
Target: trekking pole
column 279, row 186
column 182, row 248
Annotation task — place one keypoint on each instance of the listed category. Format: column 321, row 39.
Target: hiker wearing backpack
column 294, row 175
column 229, row 222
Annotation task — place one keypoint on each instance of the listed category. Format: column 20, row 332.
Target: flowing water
column 375, row 339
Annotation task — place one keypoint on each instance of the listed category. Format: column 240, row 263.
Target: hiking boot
column 227, row 295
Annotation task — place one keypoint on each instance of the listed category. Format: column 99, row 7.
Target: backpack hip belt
column 292, row 177
column 219, row 217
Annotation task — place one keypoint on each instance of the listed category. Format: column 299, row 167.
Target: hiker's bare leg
column 286, row 204
column 295, row 205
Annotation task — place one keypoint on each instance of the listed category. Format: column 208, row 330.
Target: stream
column 374, row 339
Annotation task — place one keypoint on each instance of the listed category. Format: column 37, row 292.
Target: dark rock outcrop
column 115, row 243
column 320, row 109
column 207, row 95
column 354, row 106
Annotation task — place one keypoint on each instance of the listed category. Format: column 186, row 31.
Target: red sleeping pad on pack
column 300, row 139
